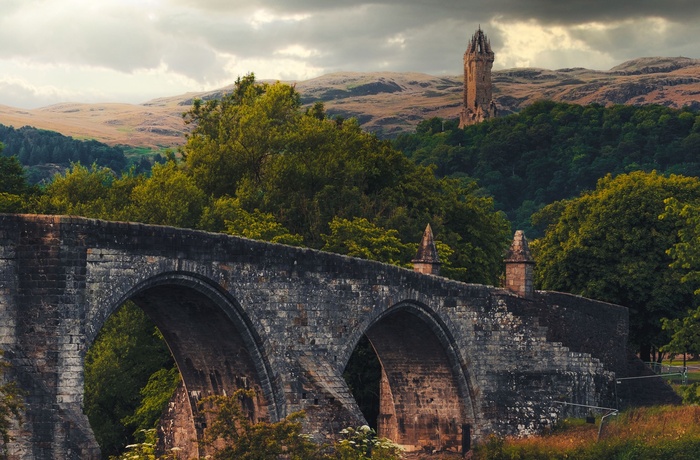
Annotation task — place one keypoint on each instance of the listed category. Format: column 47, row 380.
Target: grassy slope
column 384, row 102
column 664, row 432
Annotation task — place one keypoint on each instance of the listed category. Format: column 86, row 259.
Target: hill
column 384, row 102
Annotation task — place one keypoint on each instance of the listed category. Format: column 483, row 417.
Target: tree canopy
column 14, row 190
column 301, row 172
column 610, row 244
column 34, row 147
column 552, row 151
column 127, row 356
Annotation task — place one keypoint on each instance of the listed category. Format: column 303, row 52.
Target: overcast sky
column 134, row 50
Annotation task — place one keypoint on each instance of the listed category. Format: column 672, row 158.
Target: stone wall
column 284, row 321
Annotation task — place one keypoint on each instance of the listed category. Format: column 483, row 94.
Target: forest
column 551, row 151
column 609, row 195
column 35, row 148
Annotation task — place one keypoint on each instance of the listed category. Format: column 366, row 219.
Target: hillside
column 384, row 102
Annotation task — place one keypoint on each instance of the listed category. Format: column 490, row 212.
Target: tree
column 169, row 197
column 154, row 397
column 302, row 171
column 233, row 436
column 610, row 244
column 226, row 215
column 360, row 238
column 118, row 365
column 80, row 191
column 685, row 253
column 14, row 189
column 552, row 151
column 12, row 178
column 685, row 334
column 235, row 137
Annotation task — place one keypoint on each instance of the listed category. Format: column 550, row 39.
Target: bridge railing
column 668, row 370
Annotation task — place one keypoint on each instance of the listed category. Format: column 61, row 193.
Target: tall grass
column 656, row 433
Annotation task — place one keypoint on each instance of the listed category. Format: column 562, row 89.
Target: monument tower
column 478, row 101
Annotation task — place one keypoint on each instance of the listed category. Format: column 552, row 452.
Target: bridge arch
column 215, row 346
column 426, row 392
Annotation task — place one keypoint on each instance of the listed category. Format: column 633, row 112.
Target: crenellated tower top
column 480, row 44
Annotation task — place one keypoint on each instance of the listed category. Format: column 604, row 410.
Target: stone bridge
column 284, row 321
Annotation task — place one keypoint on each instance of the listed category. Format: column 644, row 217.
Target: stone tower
column 478, row 101
column 519, row 267
column 427, row 260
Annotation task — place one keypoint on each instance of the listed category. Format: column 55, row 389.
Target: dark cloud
column 213, row 41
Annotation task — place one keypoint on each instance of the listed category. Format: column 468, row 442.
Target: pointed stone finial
column 427, row 260
column 520, row 267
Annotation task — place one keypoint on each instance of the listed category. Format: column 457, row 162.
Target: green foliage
column 304, row 172
column 552, row 151
column 360, row 238
column 14, row 190
column 168, row 197
column 234, row 138
column 237, row 221
column 12, row 176
column 686, row 251
column 691, row 394
column 118, row 365
column 10, row 203
column 81, row 191
column 362, row 443
column 610, row 244
column 145, row 450
column 11, row 406
column 37, row 146
column 685, row 333
column 154, row 398
column 232, row 436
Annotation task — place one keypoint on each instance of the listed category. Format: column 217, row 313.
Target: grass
column 693, row 369
column 662, row 432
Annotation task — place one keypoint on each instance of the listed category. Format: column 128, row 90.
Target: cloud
column 197, row 44
column 20, row 93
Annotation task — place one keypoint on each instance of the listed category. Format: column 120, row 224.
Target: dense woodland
column 552, row 151
column 616, row 222
column 35, row 148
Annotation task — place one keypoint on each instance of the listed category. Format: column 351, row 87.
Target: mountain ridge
column 387, row 103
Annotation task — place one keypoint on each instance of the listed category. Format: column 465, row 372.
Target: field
column 662, row 432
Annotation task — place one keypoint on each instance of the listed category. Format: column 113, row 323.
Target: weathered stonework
column 427, row 260
column 478, row 89
column 284, row 321
column 520, row 278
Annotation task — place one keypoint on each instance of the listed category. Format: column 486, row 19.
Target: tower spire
column 427, row 260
